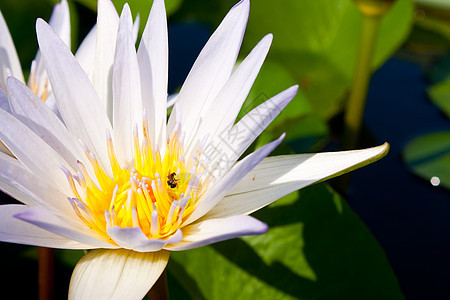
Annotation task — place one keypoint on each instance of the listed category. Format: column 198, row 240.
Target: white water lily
column 117, row 177
column 10, row 64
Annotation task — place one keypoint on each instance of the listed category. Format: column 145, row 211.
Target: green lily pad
column 428, row 156
column 440, row 95
column 316, row 248
column 318, row 41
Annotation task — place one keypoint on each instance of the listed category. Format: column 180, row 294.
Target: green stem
column 45, row 273
column 355, row 106
column 159, row 290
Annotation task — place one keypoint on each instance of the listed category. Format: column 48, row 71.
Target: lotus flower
column 116, row 177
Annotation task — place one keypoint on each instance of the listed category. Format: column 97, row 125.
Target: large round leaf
column 428, row 156
column 316, row 248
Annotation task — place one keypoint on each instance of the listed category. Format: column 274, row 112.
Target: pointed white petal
column 37, row 116
column 133, row 238
column 60, row 23
column 127, row 109
column 216, row 230
column 107, row 26
column 30, row 189
column 278, row 176
column 225, row 107
column 42, row 218
column 153, row 62
column 4, row 102
column 9, row 61
column 223, row 185
column 227, row 147
column 212, row 68
column 253, row 123
column 77, row 101
column 116, row 274
column 13, row 230
column 36, row 155
column 85, row 54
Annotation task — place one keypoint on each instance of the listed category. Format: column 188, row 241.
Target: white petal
column 31, row 190
column 225, row 107
column 33, row 152
column 42, row 218
column 85, row 54
column 153, row 62
column 231, row 144
column 116, row 274
column 278, row 176
column 77, row 101
column 253, row 123
column 60, row 23
column 9, row 61
column 212, row 68
column 133, row 238
column 216, row 230
column 37, row 116
column 13, row 230
column 127, row 110
column 4, row 102
column 107, row 26
column 234, row 175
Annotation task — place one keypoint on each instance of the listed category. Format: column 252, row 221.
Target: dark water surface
column 408, row 216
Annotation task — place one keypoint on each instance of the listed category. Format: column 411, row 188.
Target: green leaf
column 318, row 42
column 316, row 248
column 428, row 156
column 440, row 95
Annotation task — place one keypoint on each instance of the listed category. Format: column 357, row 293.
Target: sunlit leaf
column 428, row 156
column 316, row 248
column 318, row 41
column 440, row 95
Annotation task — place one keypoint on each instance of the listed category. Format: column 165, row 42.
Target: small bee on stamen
column 172, row 182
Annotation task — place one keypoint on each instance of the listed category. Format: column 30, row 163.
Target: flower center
column 157, row 194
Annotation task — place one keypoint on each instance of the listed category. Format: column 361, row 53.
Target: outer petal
column 42, row 218
column 134, row 239
column 216, row 230
column 107, row 26
column 36, row 155
column 127, row 106
column 233, row 142
column 153, row 62
column 60, row 23
column 233, row 176
column 8, row 56
column 278, row 176
column 13, row 230
column 85, row 54
column 116, row 274
column 34, row 113
column 225, row 107
column 23, row 185
column 77, row 100
column 212, row 68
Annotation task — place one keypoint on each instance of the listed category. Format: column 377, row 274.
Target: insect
column 172, row 182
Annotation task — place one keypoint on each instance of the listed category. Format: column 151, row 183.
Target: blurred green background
column 387, row 237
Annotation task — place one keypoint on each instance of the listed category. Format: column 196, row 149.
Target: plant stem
column 159, row 290
column 355, row 106
column 45, row 273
